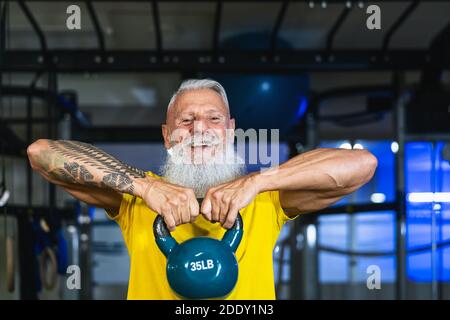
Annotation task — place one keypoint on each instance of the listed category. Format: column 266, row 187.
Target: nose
column 199, row 127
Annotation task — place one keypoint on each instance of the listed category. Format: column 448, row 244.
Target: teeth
column 200, row 144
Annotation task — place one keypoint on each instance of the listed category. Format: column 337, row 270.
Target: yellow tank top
column 263, row 219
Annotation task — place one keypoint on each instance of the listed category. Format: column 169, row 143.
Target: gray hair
column 196, row 84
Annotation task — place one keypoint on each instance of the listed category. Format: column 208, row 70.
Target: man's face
column 200, row 123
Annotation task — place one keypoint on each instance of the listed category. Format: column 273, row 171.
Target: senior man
column 197, row 136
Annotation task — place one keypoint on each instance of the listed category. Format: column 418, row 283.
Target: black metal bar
column 35, row 25
column 3, row 10
column 24, row 121
column 277, row 26
column 217, row 22
column 358, row 208
column 14, row 146
column 400, row 217
column 117, row 134
column 96, row 23
column 352, row 91
column 145, row 134
column 288, row 61
column 3, row 7
column 439, row 49
column 21, row 91
column 157, row 26
column 29, row 137
column 337, row 25
column 259, row 1
column 52, row 134
column 398, row 23
column 29, row 132
column 40, row 211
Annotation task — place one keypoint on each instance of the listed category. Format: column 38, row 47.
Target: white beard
column 202, row 176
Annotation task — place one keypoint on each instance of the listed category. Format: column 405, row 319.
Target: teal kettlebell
column 201, row 267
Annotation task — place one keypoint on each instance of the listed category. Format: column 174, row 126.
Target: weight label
column 202, row 265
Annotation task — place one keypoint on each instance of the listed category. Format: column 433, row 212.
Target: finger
column 231, row 217
column 185, row 212
column 224, row 208
column 194, row 208
column 215, row 210
column 169, row 219
column 173, row 208
column 206, row 207
column 178, row 214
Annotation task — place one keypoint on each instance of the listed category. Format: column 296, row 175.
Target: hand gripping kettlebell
column 201, row 267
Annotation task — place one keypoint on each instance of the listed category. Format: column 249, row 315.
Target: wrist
column 265, row 180
column 142, row 186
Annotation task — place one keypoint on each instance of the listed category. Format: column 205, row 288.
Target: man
column 200, row 164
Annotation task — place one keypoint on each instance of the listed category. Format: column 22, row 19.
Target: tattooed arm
column 97, row 178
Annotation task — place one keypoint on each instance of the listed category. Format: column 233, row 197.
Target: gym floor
column 332, row 74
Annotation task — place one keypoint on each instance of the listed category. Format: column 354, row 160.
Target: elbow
column 358, row 170
column 33, row 152
column 368, row 166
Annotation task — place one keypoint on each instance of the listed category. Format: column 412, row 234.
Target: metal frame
column 217, row 24
column 292, row 61
column 271, row 60
column 337, row 25
column 97, row 27
column 401, row 19
column 277, row 26
column 317, row 2
column 157, row 26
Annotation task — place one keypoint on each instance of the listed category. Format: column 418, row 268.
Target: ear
column 166, row 135
column 231, row 128
column 232, row 124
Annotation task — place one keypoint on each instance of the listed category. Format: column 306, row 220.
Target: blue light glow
column 302, row 107
column 265, row 86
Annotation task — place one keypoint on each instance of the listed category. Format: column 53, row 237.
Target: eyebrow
column 189, row 113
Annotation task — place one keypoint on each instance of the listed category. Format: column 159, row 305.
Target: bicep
column 103, row 198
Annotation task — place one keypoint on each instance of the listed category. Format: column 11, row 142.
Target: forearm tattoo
column 75, row 162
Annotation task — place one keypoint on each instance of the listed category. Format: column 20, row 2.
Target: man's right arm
column 95, row 177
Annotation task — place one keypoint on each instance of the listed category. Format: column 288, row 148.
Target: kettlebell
column 201, row 267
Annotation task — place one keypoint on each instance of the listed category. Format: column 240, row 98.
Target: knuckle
column 209, row 193
column 227, row 199
column 183, row 196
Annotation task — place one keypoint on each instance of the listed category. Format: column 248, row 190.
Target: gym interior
column 333, row 74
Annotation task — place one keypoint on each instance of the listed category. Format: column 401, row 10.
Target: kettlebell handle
column 167, row 243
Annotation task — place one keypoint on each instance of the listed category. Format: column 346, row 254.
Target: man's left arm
column 316, row 179
column 307, row 183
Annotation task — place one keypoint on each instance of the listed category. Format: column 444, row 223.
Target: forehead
column 200, row 99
